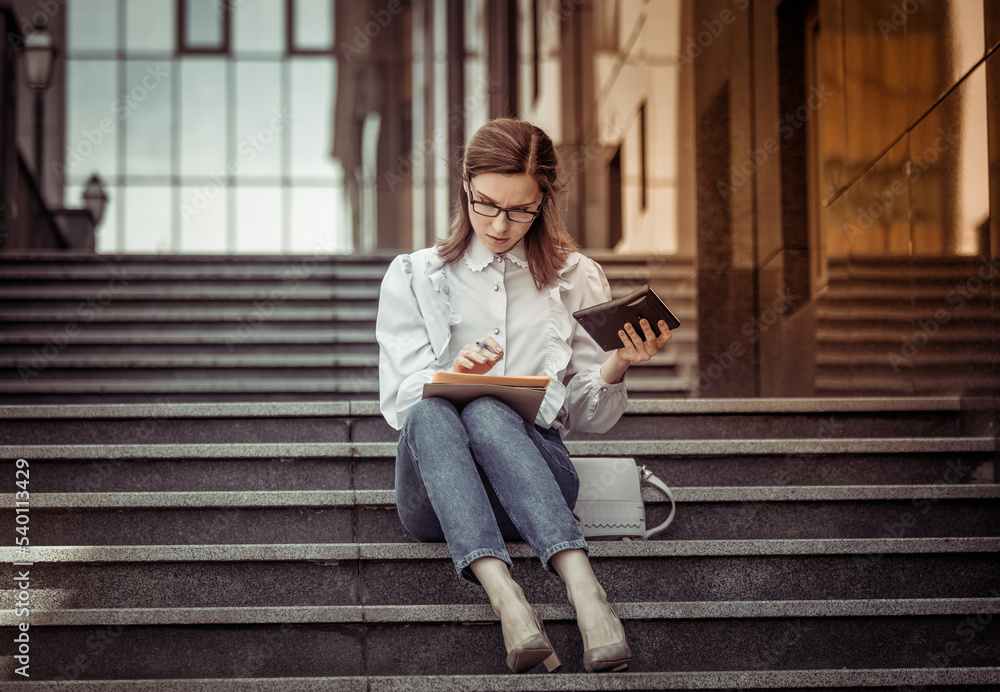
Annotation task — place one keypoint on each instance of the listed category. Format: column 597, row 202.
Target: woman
column 497, row 295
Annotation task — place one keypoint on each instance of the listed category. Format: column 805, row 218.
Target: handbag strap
column 648, row 476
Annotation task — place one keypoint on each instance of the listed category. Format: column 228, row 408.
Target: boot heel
column 552, row 662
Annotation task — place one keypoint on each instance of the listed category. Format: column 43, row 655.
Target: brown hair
column 511, row 147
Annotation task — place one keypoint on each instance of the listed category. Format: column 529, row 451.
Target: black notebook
column 603, row 321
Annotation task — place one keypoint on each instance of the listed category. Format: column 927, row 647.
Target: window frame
column 291, row 48
column 182, row 47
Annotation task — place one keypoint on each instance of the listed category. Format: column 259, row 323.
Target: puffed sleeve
column 406, row 359
column 591, row 404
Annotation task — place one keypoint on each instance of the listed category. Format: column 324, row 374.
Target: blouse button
column 495, row 287
column 499, row 259
column 604, row 389
column 496, row 331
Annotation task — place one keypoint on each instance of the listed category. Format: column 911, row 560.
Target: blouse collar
column 477, row 257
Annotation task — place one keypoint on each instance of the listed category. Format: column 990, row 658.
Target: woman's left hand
column 634, row 349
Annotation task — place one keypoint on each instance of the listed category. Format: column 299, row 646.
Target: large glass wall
column 903, row 164
column 209, row 120
column 902, row 186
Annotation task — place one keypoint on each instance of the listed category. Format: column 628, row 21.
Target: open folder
column 524, row 394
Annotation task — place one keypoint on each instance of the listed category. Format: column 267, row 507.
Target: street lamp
column 94, row 198
column 39, row 54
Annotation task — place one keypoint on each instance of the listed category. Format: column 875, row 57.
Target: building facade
column 826, row 171
column 848, row 192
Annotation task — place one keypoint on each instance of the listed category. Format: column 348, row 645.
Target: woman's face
column 515, row 192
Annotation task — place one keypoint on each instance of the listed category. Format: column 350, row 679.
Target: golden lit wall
column 902, row 157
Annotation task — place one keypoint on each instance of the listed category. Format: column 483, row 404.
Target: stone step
column 475, row 613
column 123, row 308
column 216, row 334
column 926, row 305
column 625, row 268
column 159, row 292
column 326, row 552
column 937, row 286
column 99, row 474
column 900, row 314
column 146, row 388
column 121, row 270
column 386, row 498
column 29, row 354
column 923, row 266
column 967, row 510
column 97, row 394
column 251, row 582
column 185, row 313
column 213, row 334
column 717, row 521
column 883, row 338
column 635, row 448
column 185, row 386
column 193, row 361
column 415, row 649
column 931, row 679
column 883, row 382
column 148, row 359
column 973, row 357
column 361, row 420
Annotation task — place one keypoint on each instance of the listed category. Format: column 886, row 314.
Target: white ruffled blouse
column 422, row 324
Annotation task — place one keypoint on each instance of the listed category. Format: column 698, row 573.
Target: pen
column 480, row 344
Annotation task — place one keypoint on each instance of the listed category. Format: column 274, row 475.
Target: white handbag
column 609, row 505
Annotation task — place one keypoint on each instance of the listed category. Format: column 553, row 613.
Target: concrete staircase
column 184, row 328
column 907, row 326
column 819, row 543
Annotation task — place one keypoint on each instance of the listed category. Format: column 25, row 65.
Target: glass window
column 475, row 28
column 313, row 25
column 949, row 173
column 312, row 84
column 147, row 218
column 944, row 41
column 875, row 83
column 147, row 122
column 149, row 26
column 202, row 127
column 93, row 26
column 317, row 220
column 203, row 218
column 605, row 25
column 94, row 114
column 258, row 219
column 259, row 26
column 826, row 43
column 260, row 120
column 205, row 25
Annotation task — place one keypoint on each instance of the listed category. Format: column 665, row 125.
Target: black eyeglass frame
column 495, row 208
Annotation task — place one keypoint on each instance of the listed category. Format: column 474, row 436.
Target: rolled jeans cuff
column 462, row 565
column 578, row 544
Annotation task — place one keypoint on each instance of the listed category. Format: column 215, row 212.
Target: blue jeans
column 484, row 476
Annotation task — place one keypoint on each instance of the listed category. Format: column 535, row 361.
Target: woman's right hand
column 475, row 360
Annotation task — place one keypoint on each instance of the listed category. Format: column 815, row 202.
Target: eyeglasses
column 493, row 211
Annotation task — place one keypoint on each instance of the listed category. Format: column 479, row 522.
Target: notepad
column 523, row 394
